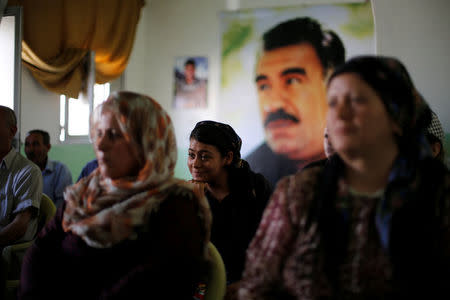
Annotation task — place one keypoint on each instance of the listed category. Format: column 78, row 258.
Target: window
column 74, row 113
column 10, row 60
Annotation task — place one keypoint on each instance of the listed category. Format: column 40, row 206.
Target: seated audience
column 56, row 175
column 435, row 136
column 373, row 223
column 88, row 168
column 20, row 187
column 130, row 230
column 236, row 195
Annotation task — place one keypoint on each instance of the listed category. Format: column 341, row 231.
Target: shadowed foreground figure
column 372, row 223
column 129, row 230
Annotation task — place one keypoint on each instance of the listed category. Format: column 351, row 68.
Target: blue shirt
column 57, row 177
column 88, row 168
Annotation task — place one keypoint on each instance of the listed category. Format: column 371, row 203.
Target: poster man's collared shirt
column 271, row 165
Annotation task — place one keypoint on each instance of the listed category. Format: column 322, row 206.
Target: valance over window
column 57, row 35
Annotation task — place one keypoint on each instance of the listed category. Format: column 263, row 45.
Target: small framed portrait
column 191, row 81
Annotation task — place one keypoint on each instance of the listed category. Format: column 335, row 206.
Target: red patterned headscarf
column 105, row 211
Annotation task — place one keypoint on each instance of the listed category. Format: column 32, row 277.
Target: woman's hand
column 199, row 187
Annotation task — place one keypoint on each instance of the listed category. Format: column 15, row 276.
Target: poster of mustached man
column 274, row 68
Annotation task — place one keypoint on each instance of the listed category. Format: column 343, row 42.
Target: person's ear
column 48, row 147
column 13, row 130
column 229, row 158
column 435, row 148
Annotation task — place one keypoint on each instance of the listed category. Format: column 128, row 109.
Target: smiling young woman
column 237, row 196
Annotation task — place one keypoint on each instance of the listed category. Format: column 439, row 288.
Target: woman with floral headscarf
column 237, row 196
column 129, row 229
column 373, row 223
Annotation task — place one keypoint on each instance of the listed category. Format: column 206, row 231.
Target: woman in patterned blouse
column 373, row 223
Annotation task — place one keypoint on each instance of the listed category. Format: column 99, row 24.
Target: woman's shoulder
column 185, row 196
column 258, row 181
column 297, row 192
column 247, row 176
column 303, row 180
column 181, row 189
column 181, row 193
column 434, row 179
column 434, row 173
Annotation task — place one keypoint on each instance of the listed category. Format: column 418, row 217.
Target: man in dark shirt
column 56, row 175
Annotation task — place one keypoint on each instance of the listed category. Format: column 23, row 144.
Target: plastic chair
column 47, row 211
column 216, row 284
column 12, row 255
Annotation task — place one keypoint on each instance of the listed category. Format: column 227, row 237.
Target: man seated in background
column 20, row 187
column 56, row 175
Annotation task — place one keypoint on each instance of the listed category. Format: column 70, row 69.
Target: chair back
column 216, row 284
column 12, row 255
column 47, row 211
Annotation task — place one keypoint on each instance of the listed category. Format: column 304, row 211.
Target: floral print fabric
column 287, row 258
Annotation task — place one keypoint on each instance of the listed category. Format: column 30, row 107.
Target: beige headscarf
column 103, row 211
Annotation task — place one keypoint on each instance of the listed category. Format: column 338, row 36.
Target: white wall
column 39, row 108
column 416, row 31
column 174, row 28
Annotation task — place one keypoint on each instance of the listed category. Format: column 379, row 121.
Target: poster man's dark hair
column 327, row 43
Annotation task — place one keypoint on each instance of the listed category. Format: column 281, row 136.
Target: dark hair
column 388, row 77
column 220, row 135
column 327, row 43
column 44, row 134
column 190, row 61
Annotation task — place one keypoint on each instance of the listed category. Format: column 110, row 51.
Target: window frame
column 17, row 13
column 88, row 95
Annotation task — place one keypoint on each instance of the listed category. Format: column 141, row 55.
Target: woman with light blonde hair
column 129, row 229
